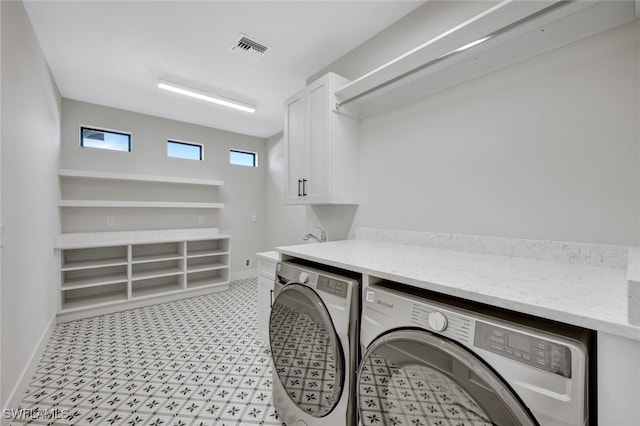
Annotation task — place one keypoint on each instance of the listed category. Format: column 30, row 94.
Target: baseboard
column 29, row 370
column 243, row 275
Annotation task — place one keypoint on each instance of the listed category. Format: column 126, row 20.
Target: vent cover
column 245, row 47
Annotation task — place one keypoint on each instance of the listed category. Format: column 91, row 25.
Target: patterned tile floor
column 196, row 361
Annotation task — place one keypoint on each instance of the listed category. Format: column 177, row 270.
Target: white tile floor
column 196, row 361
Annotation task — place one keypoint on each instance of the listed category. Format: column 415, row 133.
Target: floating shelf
column 139, row 178
column 139, row 204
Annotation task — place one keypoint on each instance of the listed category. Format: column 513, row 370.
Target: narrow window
column 243, row 158
column 105, row 139
column 186, row 150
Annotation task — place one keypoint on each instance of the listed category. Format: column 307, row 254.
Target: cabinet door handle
column 271, row 298
column 299, row 190
column 304, row 187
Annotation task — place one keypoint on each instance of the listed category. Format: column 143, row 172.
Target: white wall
column 29, row 190
column 544, row 149
column 287, row 224
column 242, row 193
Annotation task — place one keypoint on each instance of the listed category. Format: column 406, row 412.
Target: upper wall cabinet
column 321, row 146
column 505, row 33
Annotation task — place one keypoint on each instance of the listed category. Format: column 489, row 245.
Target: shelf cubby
column 94, row 258
column 80, row 278
column 207, row 248
column 157, row 286
column 207, row 263
column 210, row 278
column 83, row 298
column 144, row 253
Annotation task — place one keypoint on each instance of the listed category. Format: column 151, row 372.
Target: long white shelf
column 136, row 178
column 142, row 204
column 459, row 54
column 156, row 273
column 95, row 281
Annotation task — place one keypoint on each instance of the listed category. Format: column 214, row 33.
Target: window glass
column 188, row 151
column 105, row 139
column 243, row 158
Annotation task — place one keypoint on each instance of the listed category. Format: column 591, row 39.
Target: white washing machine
column 313, row 333
column 430, row 360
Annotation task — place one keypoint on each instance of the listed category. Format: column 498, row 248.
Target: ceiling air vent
column 247, row 48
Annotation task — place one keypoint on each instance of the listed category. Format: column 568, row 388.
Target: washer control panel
column 332, row 286
column 533, row 351
column 288, row 273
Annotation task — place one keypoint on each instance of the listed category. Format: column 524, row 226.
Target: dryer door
column 413, row 377
column 307, row 355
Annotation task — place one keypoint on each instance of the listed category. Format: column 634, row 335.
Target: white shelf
column 157, row 290
column 205, row 253
column 94, row 281
column 156, row 273
column 155, row 258
column 206, row 267
column 140, row 204
column 85, row 302
column 91, row 264
column 136, row 178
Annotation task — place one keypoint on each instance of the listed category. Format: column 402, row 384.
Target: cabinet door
column 295, row 150
column 318, row 185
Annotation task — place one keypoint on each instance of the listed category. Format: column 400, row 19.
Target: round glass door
column 412, row 377
column 306, row 352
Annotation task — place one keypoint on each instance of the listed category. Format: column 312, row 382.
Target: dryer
column 429, row 361
column 313, row 334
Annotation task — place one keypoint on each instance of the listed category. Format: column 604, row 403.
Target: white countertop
column 588, row 296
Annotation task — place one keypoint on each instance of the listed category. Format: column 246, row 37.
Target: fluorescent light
column 214, row 99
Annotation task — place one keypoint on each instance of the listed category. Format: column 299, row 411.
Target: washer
column 313, row 333
column 432, row 360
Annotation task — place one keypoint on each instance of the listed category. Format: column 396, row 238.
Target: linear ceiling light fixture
column 216, row 99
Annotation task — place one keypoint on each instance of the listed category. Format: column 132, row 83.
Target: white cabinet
column 108, row 271
column 321, row 146
column 266, row 277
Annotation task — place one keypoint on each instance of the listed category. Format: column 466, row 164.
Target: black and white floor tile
column 197, row 361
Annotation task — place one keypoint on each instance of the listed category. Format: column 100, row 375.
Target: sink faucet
column 322, row 239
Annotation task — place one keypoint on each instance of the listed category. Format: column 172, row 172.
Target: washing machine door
column 307, row 355
column 414, row 377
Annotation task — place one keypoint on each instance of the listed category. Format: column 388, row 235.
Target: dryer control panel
column 533, row 351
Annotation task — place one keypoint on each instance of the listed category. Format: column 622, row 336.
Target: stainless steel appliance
column 430, row 362
column 313, row 333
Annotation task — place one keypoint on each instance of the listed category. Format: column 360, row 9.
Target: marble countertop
column 593, row 297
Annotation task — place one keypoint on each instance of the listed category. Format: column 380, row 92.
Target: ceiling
column 113, row 53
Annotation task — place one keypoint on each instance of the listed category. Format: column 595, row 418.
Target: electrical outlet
column 200, row 220
column 254, row 218
column 247, row 262
column 110, row 221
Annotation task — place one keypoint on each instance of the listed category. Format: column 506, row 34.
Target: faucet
column 322, row 239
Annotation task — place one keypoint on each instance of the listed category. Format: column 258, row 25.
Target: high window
column 243, row 158
column 186, row 150
column 105, row 139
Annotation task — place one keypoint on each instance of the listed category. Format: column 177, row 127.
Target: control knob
column 437, row 321
column 303, row 277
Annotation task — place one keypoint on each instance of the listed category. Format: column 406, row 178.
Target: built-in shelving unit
column 118, row 269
